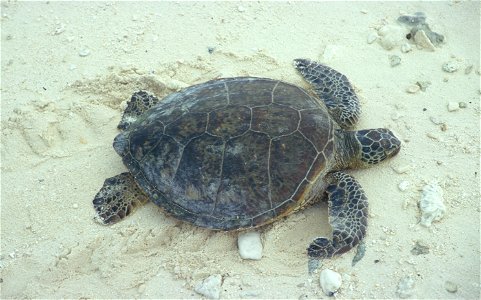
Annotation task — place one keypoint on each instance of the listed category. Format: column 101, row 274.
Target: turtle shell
column 231, row 153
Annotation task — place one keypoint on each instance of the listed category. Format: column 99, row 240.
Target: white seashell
column 250, row 245
column 330, row 281
column 431, row 205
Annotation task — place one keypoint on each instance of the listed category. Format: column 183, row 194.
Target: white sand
column 59, row 117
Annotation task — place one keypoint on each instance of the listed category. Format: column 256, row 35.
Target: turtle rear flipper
column 139, row 103
column 334, row 89
column 117, row 198
column 347, row 217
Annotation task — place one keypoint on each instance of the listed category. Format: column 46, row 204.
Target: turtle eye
column 390, row 143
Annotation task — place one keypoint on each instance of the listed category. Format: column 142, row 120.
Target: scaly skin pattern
column 348, row 210
column 334, row 89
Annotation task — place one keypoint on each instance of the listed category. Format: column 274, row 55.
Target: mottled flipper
column 118, row 197
column 139, row 103
column 347, row 216
column 334, row 89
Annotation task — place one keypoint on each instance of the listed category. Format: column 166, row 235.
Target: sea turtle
column 237, row 153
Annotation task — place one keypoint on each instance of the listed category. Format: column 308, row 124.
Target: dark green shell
column 231, row 153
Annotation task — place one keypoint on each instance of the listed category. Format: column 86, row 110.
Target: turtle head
column 375, row 145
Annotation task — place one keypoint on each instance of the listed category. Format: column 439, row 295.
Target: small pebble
column 422, row 40
column 435, row 38
column 453, row 106
column 468, row 69
column 413, row 89
column 431, row 204
column 420, row 248
column 405, row 287
column 59, row 29
column 241, row 8
column 436, row 121
column 405, row 48
column 250, row 245
column 372, row 37
column 394, row 60
column 391, row 36
column 451, row 286
column 462, row 104
column 402, row 169
column 84, row 52
column 330, row 281
column 450, row 66
column 433, row 136
column 72, row 67
column 75, row 205
column 364, row 11
column 249, row 294
column 210, row 287
column 423, row 85
column 403, row 185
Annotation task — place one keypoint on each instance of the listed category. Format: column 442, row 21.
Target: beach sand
column 69, row 67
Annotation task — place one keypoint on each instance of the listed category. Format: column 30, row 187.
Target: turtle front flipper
column 334, row 89
column 139, row 103
column 348, row 210
column 117, row 198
